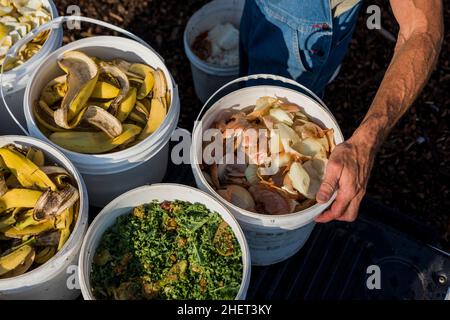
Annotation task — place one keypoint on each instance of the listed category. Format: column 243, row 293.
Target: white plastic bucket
column 109, row 175
column 207, row 77
column 161, row 192
column 54, row 279
column 271, row 238
column 15, row 80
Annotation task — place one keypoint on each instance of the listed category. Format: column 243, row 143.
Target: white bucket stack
column 209, row 78
column 55, row 279
column 109, row 175
column 161, row 192
column 271, row 239
column 15, row 80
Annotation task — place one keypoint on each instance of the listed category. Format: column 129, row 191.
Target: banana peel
column 94, row 142
column 160, row 87
column 143, row 107
column 102, row 104
column 44, row 121
column 7, row 221
column 27, row 173
column 145, row 72
column 138, row 117
column 127, row 105
column 26, row 221
column 65, row 233
column 14, row 259
column 104, row 90
column 36, row 156
column 158, row 113
column 81, row 79
column 55, row 90
column 22, row 267
column 44, row 255
column 29, row 231
column 121, row 78
column 52, row 203
column 3, row 185
column 19, row 198
column 103, row 120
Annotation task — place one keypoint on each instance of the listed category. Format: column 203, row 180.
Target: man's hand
column 417, row 50
column 347, row 172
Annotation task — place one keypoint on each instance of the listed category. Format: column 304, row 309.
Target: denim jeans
column 297, row 39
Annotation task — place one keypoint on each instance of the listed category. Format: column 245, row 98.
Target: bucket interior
column 107, row 48
column 49, row 69
column 54, row 39
column 124, row 205
column 41, row 273
column 242, row 99
column 212, row 14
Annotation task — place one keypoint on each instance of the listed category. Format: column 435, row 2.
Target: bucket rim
column 31, row 277
column 309, row 213
column 93, row 229
column 173, row 108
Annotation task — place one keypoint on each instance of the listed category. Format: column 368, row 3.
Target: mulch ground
column 412, row 170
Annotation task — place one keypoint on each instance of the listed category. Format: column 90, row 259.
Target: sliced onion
column 238, row 196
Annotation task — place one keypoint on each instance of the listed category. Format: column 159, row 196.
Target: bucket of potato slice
column 276, row 209
column 43, row 219
column 17, row 19
column 110, row 104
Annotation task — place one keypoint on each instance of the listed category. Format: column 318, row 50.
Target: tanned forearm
column 416, row 53
column 415, row 56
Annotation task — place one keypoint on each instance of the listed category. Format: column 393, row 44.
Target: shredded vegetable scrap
column 169, row 250
column 297, row 152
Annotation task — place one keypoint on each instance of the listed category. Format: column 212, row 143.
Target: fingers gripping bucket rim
column 51, row 277
column 101, row 164
column 271, row 238
column 124, row 203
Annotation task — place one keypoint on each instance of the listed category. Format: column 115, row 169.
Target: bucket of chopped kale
column 165, row 242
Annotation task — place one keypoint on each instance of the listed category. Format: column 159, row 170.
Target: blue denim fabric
column 297, row 39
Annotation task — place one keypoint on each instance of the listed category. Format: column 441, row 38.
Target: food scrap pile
column 102, row 106
column 168, row 250
column 38, row 209
column 298, row 149
column 219, row 46
column 17, row 18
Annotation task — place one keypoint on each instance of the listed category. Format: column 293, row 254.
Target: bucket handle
column 55, row 24
column 261, row 77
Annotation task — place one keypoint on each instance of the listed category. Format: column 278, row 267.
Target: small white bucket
column 15, row 80
column 109, row 175
column 56, row 279
column 271, row 238
column 161, row 192
column 207, row 77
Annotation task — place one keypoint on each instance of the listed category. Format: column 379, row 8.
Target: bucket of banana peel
column 17, row 19
column 274, row 138
column 110, row 104
column 43, row 219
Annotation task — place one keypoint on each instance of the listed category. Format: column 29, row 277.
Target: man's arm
column 416, row 53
